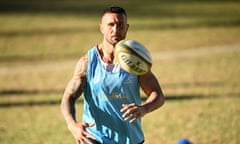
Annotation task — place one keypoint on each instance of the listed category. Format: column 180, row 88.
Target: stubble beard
column 113, row 41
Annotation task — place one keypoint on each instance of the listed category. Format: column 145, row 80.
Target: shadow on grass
column 137, row 8
column 29, row 104
column 19, row 92
column 167, row 98
column 48, row 32
column 135, row 27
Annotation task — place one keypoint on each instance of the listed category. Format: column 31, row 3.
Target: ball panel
column 132, row 63
column 139, row 49
column 129, row 58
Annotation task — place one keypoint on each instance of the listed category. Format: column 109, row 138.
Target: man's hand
column 80, row 133
column 132, row 112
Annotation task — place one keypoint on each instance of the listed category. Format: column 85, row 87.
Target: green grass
column 40, row 42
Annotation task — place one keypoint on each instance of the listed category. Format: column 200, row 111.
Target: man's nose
column 116, row 28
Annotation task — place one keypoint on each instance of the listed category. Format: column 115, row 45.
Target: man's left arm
column 153, row 90
column 155, row 99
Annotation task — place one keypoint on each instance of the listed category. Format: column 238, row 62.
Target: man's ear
column 127, row 26
column 101, row 28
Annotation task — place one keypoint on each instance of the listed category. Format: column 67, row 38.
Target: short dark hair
column 114, row 9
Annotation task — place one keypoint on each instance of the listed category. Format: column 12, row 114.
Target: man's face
column 114, row 27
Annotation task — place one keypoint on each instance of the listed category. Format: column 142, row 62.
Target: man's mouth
column 116, row 38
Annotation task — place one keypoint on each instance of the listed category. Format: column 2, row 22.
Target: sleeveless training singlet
column 105, row 92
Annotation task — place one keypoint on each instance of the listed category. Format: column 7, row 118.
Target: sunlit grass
column 199, row 120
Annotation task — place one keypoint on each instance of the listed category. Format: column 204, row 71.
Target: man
column 112, row 104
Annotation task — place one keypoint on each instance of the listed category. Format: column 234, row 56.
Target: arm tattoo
column 74, row 89
column 76, row 84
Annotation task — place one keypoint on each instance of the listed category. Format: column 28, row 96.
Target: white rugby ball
column 133, row 57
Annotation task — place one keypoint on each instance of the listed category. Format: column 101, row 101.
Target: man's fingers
column 91, row 124
column 86, row 133
column 133, row 120
column 78, row 141
column 126, row 107
column 88, row 124
column 86, row 140
column 131, row 112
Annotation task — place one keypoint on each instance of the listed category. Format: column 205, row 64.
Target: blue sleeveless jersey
column 104, row 94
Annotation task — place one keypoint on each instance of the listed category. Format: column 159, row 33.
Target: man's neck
column 106, row 51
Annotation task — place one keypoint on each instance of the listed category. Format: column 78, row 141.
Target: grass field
column 196, row 52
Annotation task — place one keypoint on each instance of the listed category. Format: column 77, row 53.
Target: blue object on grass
column 183, row 141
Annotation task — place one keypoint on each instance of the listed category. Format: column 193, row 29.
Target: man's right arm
column 73, row 91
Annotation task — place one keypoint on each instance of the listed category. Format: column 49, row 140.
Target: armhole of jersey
column 90, row 56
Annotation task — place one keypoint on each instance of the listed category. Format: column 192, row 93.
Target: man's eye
column 111, row 24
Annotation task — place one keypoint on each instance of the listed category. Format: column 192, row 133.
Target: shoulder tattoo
column 81, row 68
column 76, row 84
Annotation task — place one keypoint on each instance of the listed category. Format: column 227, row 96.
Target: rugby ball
column 132, row 57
